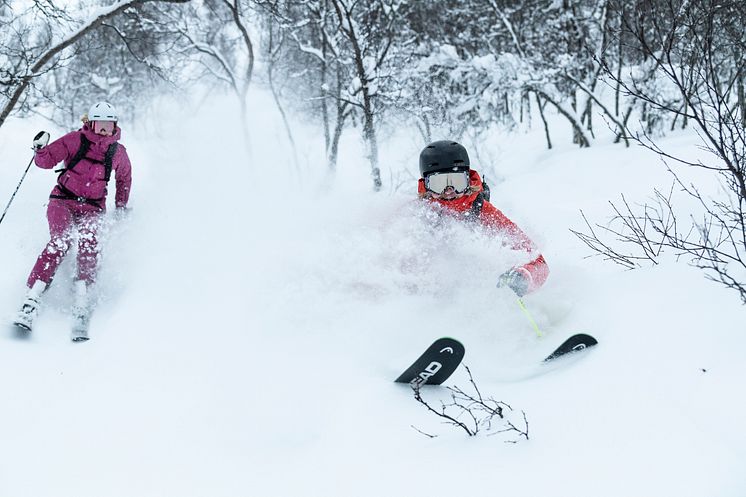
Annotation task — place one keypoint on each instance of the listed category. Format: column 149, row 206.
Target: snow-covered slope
column 252, row 319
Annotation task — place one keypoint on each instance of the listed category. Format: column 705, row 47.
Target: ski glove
column 517, row 279
column 40, row 140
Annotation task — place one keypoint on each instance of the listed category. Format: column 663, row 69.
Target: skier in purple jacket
column 76, row 206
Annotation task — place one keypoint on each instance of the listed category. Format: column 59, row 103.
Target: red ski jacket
column 536, row 270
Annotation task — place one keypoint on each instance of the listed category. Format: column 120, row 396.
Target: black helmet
column 443, row 155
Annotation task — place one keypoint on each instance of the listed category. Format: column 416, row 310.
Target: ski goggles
column 438, row 182
column 106, row 127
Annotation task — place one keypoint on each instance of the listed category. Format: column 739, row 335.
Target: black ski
column 575, row 343
column 436, row 364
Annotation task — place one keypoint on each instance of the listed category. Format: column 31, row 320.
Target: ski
column 21, row 330
column 436, row 364
column 81, row 311
column 22, row 324
column 574, row 344
column 23, row 321
column 80, row 328
column 22, row 327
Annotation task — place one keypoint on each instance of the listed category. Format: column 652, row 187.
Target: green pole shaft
column 530, row 319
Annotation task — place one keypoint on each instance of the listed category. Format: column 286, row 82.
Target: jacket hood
column 460, row 204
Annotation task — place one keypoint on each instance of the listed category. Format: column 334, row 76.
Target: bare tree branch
column 39, row 65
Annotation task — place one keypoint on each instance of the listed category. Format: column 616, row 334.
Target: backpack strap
column 85, row 146
column 68, row 195
column 476, row 207
column 486, row 189
column 108, row 159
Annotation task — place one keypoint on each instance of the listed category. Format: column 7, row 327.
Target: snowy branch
column 620, row 126
column 37, row 68
column 571, row 116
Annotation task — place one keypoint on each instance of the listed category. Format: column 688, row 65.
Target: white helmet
column 103, row 111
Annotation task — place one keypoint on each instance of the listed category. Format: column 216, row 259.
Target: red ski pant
column 68, row 218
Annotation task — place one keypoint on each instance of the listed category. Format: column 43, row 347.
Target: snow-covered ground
column 252, row 318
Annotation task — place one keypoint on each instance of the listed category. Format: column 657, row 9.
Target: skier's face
column 448, row 194
column 104, row 128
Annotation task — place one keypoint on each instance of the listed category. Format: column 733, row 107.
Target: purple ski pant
column 67, row 217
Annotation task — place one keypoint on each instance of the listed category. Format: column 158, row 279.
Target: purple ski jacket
column 86, row 179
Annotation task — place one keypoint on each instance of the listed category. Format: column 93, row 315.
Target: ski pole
column 530, row 318
column 17, row 187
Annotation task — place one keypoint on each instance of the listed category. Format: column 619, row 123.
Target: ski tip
column 21, row 331
column 585, row 338
column 436, row 364
column 574, row 344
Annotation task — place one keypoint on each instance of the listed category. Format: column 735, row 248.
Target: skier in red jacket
column 448, row 181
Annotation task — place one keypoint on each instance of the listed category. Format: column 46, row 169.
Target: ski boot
column 30, row 309
column 81, row 312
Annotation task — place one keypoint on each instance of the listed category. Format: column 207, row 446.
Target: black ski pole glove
column 40, row 140
column 517, row 279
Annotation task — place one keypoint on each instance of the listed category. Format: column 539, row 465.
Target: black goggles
column 438, row 182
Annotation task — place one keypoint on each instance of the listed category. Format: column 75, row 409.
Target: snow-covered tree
column 214, row 45
column 39, row 40
column 695, row 54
